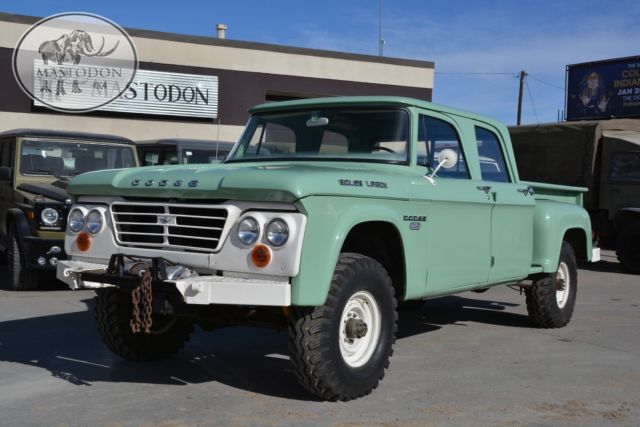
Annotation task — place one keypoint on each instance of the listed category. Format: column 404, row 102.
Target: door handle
column 484, row 188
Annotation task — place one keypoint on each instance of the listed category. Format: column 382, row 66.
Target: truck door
column 512, row 213
column 458, row 215
column 620, row 179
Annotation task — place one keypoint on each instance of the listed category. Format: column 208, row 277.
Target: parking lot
column 469, row 359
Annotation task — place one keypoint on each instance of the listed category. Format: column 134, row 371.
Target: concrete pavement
column 465, row 360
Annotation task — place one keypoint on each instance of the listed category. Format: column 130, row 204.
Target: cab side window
column 493, row 166
column 434, row 135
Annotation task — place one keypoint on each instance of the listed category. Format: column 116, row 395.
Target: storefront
column 201, row 87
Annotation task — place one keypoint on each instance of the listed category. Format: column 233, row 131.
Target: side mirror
column 447, row 159
column 6, row 173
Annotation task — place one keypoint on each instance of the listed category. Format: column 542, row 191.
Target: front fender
column 551, row 221
column 329, row 221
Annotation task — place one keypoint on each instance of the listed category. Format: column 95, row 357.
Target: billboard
column 604, row 89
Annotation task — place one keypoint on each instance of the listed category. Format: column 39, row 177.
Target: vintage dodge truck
column 326, row 214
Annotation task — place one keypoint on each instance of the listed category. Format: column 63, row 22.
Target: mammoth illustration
column 71, row 48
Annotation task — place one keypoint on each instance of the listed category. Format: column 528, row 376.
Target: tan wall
column 132, row 129
column 255, row 60
column 250, row 58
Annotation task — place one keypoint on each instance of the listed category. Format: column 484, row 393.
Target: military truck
column 325, row 215
column 35, row 168
column 603, row 156
column 181, row 151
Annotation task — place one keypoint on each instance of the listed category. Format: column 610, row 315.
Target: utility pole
column 380, row 39
column 523, row 74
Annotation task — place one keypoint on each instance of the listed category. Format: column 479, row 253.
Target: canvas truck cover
column 570, row 153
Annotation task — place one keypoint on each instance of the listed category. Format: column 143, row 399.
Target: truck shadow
column 603, row 266
column 250, row 360
column 46, row 282
column 457, row 310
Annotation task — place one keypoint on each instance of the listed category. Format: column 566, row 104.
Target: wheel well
column 577, row 238
column 382, row 242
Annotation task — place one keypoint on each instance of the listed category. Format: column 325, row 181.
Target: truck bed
column 559, row 193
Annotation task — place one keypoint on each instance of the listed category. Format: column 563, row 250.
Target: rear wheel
column 20, row 277
column 340, row 350
column 169, row 333
column 552, row 298
column 628, row 247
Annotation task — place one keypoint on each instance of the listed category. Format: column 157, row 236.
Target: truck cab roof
column 44, row 133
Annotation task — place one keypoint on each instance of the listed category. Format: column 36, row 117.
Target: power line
column 546, row 83
column 477, row 74
column 535, row 112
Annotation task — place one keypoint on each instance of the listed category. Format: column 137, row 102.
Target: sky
column 478, row 47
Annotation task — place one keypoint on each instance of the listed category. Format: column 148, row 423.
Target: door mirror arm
column 447, row 159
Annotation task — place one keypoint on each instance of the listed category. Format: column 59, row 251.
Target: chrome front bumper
column 201, row 290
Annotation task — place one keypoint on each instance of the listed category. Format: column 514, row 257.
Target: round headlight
column 277, row 232
column 76, row 220
column 248, row 231
column 94, row 221
column 49, row 216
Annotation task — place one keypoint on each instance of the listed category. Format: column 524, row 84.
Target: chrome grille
column 170, row 226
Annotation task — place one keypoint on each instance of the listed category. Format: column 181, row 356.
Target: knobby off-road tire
column 628, row 247
column 550, row 302
column 113, row 313
column 326, row 361
column 21, row 278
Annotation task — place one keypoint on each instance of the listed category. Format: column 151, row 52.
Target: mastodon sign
column 72, row 47
column 75, row 62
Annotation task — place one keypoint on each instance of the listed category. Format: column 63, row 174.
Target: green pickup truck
column 326, row 214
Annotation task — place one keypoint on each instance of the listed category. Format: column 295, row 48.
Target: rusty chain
column 142, row 297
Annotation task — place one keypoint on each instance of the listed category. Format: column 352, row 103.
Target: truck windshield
column 379, row 135
column 59, row 158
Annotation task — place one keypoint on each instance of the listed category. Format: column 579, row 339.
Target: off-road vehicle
column 35, row 167
column 180, row 151
column 602, row 155
column 325, row 215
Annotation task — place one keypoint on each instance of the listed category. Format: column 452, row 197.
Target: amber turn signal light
column 83, row 241
column 261, row 256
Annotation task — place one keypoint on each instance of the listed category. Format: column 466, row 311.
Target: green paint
column 468, row 238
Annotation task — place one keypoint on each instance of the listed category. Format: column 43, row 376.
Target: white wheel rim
column 563, row 288
column 357, row 351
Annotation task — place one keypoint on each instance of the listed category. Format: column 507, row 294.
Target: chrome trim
column 171, row 233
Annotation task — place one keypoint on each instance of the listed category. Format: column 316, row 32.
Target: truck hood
column 275, row 182
column 50, row 190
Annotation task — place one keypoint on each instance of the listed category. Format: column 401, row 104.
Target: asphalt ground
column 464, row 360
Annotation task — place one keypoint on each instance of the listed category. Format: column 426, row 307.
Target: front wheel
column 552, row 298
column 340, row 350
column 113, row 313
column 21, row 278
